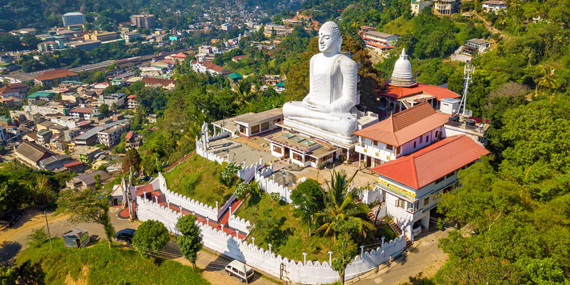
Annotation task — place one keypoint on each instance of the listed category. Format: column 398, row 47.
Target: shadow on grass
column 419, row 280
column 8, row 251
column 31, row 273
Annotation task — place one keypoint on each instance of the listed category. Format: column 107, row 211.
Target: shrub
column 275, row 197
column 151, row 236
column 37, row 237
column 241, row 190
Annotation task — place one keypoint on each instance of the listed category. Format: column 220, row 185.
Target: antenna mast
column 468, row 76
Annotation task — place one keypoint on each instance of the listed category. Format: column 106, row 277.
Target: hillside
column 197, row 178
column 97, row 264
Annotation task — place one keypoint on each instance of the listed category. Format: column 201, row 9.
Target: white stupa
column 402, row 74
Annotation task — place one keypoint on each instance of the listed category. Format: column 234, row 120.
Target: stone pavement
column 423, row 259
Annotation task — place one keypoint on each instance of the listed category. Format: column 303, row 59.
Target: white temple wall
column 310, row 272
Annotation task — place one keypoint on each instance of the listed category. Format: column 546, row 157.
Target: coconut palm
column 342, row 212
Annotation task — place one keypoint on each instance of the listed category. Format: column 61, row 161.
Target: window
column 255, row 129
column 427, row 138
column 439, row 180
column 421, row 139
column 265, row 126
column 375, row 143
column 401, row 203
column 426, row 201
column 414, row 144
column 297, row 157
column 310, row 158
column 277, row 149
column 398, row 151
column 389, row 147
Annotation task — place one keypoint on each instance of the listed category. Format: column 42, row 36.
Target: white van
column 236, row 268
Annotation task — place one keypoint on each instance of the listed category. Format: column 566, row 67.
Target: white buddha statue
column 332, row 94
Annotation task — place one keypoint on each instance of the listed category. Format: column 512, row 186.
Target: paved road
column 13, row 240
column 423, row 260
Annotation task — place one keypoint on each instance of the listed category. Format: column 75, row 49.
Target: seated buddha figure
column 332, row 94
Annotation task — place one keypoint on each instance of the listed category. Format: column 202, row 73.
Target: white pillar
column 304, row 258
column 362, row 251
column 383, row 241
column 330, row 258
column 217, row 206
column 253, row 240
column 207, row 221
column 222, row 227
column 269, row 245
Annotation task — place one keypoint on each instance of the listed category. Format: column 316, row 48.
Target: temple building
column 412, row 185
column 403, row 92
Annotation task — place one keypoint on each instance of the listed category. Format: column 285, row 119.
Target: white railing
column 270, row 186
column 243, row 225
column 185, row 203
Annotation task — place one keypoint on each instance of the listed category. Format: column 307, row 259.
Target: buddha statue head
column 330, row 39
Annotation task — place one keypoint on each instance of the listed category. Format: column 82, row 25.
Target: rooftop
column 426, row 165
column 55, row 74
column 420, row 88
column 405, row 126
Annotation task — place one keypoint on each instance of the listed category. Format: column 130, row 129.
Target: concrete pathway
column 422, row 260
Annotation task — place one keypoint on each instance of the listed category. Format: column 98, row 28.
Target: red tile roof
column 240, row 57
column 129, row 135
column 55, row 74
column 436, row 91
column 214, row 67
column 72, row 164
column 405, row 126
column 180, row 55
column 132, row 96
column 18, row 85
column 5, row 90
column 426, row 165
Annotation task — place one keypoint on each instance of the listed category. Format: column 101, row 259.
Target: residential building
column 116, row 98
column 90, row 137
column 132, row 102
column 85, row 154
column 494, row 6
column 209, row 67
column 101, row 36
column 51, row 45
column 379, row 41
column 44, row 110
column 159, row 83
column 6, row 91
column 400, row 134
column 88, row 180
column 3, row 134
column 152, row 118
column 44, row 136
column 54, row 162
column 446, row 7
column 144, row 21
column 53, row 77
column 418, row 6
column 76, row 166
column 112, row 136
column 476, row 45
column 73, row 18
column 82, row 113
column 279, row 30
column 31, row 154
column 133, row 139
column 411, row 186
column 41, row 96
column 131, row 37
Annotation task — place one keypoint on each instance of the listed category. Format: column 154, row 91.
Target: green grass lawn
column 295, row 231
column 96, row 264
column 197, row 178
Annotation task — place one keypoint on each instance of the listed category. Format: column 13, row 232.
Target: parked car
column 125, row 235
column 240, row 270
column 417, row 228
column 11, row 217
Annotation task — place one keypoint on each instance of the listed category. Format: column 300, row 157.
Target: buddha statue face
column 330, row 39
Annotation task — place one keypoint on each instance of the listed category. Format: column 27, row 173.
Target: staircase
column 370, row 214
column 397, row 229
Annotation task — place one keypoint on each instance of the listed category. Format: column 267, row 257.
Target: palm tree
column 546, row 79
column 342, row 210
column 243, row 93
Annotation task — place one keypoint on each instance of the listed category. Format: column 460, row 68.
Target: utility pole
column 49, row 234
column 468, row 76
